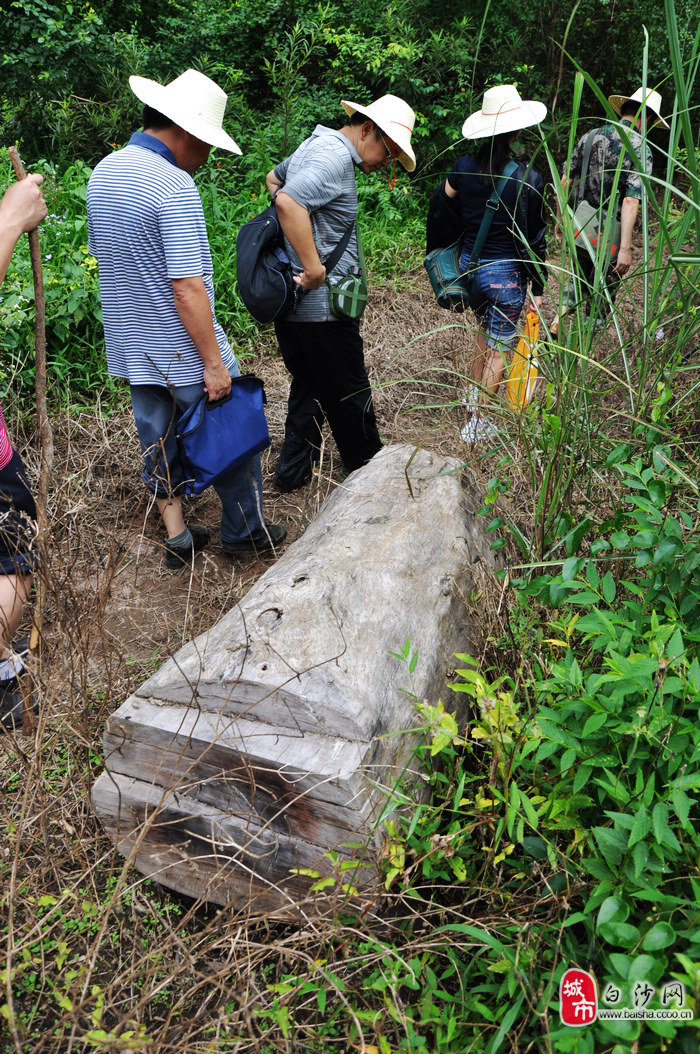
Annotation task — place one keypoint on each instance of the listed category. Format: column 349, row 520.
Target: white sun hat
column 652, row 101
column 502, row 111
column 193, row 101
column 395, row 118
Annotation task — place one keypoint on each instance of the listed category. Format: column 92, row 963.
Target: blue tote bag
column 216, row 437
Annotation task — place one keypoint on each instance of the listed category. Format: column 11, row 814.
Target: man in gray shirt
column 316, row 198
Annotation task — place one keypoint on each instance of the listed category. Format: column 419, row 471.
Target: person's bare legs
column 14, row 592
column 481, row 369
column 489, row 367
column 170, row 510
column 494, row 369
column 480, row 357
column 487, row 373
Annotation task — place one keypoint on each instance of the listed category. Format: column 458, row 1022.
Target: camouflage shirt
column 602, row 166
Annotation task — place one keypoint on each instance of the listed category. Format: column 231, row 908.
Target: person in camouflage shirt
column 606, row 148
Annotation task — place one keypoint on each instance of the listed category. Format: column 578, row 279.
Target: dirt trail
column 110, row 594
column 416, row 355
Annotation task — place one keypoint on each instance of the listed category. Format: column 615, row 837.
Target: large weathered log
column 278, row 735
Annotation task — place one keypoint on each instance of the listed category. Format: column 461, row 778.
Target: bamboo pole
column 45, row 430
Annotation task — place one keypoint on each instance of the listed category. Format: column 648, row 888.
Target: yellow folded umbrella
column 523, row 368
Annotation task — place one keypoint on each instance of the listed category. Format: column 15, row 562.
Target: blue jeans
column 156, row 412
column 497, row 297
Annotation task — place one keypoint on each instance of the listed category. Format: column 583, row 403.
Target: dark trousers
column 17, row 520
column 327, row 364
column 586, row 268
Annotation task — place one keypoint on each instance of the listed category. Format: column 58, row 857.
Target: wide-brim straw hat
column 503, row 111
column 395, row 118
column 193, row 101
column 652, row 101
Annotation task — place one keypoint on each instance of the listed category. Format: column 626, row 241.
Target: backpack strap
column 360, row 253
column 584, row 167
column 331, row 260
column 489, row 213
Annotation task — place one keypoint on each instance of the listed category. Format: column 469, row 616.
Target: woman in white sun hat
column 514, row 252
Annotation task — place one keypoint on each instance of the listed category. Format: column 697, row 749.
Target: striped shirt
column 5, row 444
column 146, row 227
column 320, row 175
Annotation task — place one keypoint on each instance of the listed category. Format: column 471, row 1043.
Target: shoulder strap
column 331, row 260
column 489, row 213
column 584, row 167
column 360, row 253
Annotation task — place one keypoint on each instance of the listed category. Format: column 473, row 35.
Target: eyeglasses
column 390, row 153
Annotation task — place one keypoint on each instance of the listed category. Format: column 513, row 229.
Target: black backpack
column 263, row 269
column 264, row 272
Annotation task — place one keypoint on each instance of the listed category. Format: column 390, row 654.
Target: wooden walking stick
column 45, row 431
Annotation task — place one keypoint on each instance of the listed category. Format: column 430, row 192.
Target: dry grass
column 97, row 958
column 90, row 945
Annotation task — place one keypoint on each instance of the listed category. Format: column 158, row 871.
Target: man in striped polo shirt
column 316, row 199
column 22, row 209
column 147, row 230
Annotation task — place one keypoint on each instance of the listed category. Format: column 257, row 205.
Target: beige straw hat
column 396, row 118
column 502, row 111
column 652, row 101
column 193, row 101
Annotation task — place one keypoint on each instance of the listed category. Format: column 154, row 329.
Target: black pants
column 586, row 268
column 327, row 364
column 17, row 520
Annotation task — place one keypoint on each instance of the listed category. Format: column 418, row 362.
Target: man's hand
column 296, row 224
column 624, row 261
column 311, row 279
column 558, row 232
column 217, row 381
column 628, row 217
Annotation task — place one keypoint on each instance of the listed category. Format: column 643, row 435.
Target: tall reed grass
column 629, row 377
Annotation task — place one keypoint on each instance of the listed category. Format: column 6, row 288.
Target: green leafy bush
column 74, row 340
column 562, row 828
